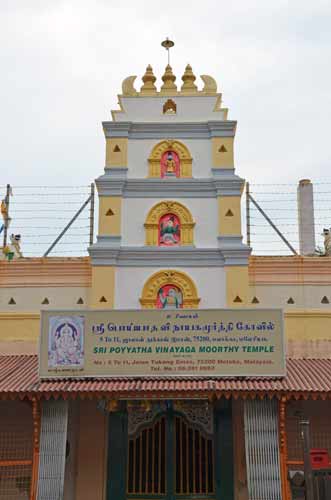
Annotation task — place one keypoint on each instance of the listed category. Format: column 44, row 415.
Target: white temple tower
column 169, row 217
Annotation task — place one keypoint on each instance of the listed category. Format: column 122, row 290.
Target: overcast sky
column 62, row 64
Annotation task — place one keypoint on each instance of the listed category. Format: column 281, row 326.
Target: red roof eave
column 305, row 378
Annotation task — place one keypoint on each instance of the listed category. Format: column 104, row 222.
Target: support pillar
column 306, row 221
column 262, row 449
column 36, row 442
column 283, row 449
column 53, row 439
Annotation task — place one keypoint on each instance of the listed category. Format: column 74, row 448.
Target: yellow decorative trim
column 110, row 224
column 307, row 313
column 188, row 81
column 210, row 85
column 103, row 286
column 178, row 147
column 222, row 159
column 170, row 277
column 236, row 286
column 168, row 79
column 18, row 315
column 128, row 86
column 116, row 152
column 149, row 80
column 229, row 225
column 169, row 207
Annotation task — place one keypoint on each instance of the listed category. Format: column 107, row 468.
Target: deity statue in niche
column 169, row 230
column 170, row 165
column 169, row 297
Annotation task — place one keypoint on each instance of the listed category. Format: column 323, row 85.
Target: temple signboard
column 126, row 343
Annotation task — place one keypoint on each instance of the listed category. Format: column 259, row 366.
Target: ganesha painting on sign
column 66, row 342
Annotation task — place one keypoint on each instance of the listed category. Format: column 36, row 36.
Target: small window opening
column 169, row 107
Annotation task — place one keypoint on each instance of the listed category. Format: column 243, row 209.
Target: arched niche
column 160, row 210
column 165, row 280
column 185, row 158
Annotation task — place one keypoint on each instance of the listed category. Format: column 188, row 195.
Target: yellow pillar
column 229, row 216
column 236, row 286
column 110, row 215
column 116, row 152
column 222, row 152
column 103, row 287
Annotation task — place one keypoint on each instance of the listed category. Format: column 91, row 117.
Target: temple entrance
column 170, row 452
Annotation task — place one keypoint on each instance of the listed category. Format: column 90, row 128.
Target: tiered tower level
column 169, row 201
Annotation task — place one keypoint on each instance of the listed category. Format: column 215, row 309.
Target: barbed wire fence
column 279, row 203
column 41, row 213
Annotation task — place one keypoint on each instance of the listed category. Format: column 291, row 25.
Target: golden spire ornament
column 149, row 79
column 189, row 79
column 168, row 81
column 168, row 44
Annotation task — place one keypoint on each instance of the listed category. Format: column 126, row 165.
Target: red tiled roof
column 19, row 378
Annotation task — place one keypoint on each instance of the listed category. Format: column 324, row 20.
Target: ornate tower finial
column 188, row 79
column 168, row 81
column 167, row 44
column 149, row 79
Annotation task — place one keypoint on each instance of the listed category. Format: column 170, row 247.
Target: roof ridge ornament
column 128, row 86
column 210, row 85
column 168, row 81
column 149, row 80
column 189, row 79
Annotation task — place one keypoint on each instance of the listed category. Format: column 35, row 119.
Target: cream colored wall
column 20, row 322
column 140, row 150
column 29, row 299
column 204, row 213
column 150, row 109
column 129, row 282
column 91, row 452
column 308, row 325
column 304, row 296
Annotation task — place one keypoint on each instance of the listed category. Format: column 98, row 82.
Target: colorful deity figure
column 170, row 165
column 13, row 250
column 169, row 230
column 169, row 297
column 327, row 241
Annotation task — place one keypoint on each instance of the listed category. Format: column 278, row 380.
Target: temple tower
column 169, row 201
